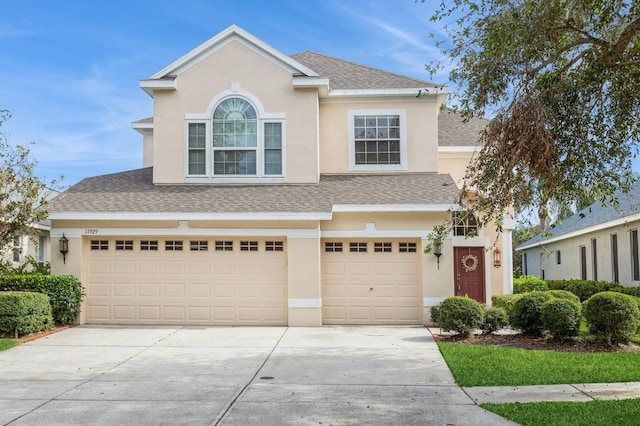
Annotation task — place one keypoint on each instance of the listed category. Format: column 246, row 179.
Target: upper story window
column 465, row 224
column 235, row 143
column 377, row 140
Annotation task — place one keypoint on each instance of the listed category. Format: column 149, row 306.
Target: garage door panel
column 182, row 287
column 371, row 287
column 148, row 290
column 124, row 267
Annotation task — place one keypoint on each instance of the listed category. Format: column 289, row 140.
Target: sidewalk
column 538, row 393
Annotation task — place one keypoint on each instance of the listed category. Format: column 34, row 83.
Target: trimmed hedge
column 526, row 314
column 505, row 301
column 584, row 289
column 527, row 283
column 435, row 315
column 24, row 312
column 612, row 316
column 494, row 320
column 461, row 314
column 564, row 294
column 65, row 292
column 561, row 317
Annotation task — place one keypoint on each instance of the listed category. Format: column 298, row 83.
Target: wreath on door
column 470, row 263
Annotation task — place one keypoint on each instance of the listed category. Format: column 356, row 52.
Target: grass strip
column 486, row 365
column 591, row 413
column 8, row 344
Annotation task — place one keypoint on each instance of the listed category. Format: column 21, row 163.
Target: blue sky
column 71, row 68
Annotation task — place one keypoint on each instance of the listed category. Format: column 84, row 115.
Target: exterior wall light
column 437, row 251
column 64, row 247
column 497, row 260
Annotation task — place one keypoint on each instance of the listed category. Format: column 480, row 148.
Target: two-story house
column 280, row 190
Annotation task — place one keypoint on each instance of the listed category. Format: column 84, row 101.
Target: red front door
column 469, row 272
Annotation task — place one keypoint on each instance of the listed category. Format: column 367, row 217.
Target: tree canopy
column 559, row 80
column 23, row 195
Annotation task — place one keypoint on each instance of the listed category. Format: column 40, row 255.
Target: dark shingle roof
column 133, row 191
column 595, row 214
column 349, row 75
column 453, row 131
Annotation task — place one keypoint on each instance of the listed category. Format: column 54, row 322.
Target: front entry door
column 469, row 272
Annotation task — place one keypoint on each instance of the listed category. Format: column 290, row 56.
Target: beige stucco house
column 280, row 190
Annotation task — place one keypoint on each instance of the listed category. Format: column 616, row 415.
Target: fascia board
column 386, row 92
column 188, row 216
column 372, row 208
column 232, row 32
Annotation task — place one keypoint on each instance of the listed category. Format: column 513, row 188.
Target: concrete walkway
column 233, row 376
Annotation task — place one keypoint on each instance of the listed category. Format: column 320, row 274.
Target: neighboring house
column 597, row 243
column 35, row 246
column 280, row 190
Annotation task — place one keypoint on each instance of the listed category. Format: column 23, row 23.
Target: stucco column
column 305, row 283
column 507, row 255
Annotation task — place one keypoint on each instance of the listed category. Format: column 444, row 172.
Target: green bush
column 527, row 283
column 494, row 320
column 527, row 312
column 564, row 294
column 561, row 317
column 24, row 312
column 505, row 301
column 64, row 291
column 435, row 314
column 612, row 316
column 461, row 314
column 584, row 289
column 631, row 291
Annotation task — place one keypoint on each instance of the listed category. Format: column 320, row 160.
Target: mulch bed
column 578, row 344
column 34, row 336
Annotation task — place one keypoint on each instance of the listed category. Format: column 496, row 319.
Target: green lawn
column 592, row 413
column 8, row 343
column 484, row 365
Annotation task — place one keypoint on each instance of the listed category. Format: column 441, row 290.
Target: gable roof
column 593, row 218
column 133, row 192
column 344, row 75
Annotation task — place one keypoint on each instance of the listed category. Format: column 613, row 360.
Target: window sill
column 235, row 180
column 376, row 167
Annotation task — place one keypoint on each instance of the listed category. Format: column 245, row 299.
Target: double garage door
column 186, row 281
column 237, row 281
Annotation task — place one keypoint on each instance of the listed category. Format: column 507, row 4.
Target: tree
column 560, row 79
column 23, row 196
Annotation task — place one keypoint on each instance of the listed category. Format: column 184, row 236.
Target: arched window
column 235, row 138
column 236, row 142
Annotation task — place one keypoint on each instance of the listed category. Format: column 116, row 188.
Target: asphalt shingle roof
column 595, row 214
column 453, row 131
column 350, row 75
column 134, row 191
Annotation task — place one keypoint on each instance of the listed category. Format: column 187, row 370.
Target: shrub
column 461, row 314
column 584, row 289
column 561, row 317
column 612, row 316
column 527, row 283
column 64, row 291
column 494, row 320
column 24, row 312
column 527, row 312
column 564, row 294
column 504, row 301
column 631, row 291
column 435, row 314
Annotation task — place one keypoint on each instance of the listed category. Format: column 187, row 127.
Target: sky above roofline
column 72, row 68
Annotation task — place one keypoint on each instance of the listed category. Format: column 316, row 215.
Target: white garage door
column 371, row 282
column 186, row 281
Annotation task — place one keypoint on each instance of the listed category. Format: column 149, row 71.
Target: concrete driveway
column 233, row 376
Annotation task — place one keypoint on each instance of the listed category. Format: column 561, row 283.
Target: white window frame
column 207, row 119
column 403, row 140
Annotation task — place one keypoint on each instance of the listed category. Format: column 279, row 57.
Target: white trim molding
column 431, row 301
column 189, row 216
column 382, row 208
column 185, row 231
column 305, row 303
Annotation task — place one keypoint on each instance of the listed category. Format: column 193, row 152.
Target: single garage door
column 186, row 281
column 371, row 282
